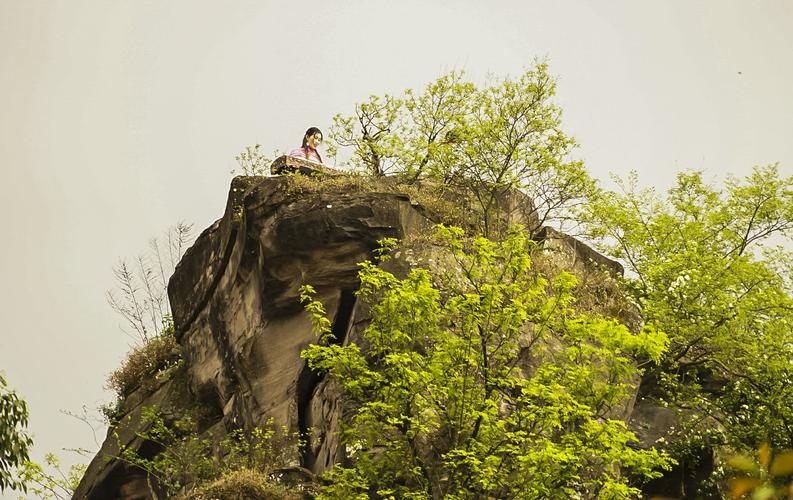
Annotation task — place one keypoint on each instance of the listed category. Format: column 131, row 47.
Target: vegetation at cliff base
column 202, row 466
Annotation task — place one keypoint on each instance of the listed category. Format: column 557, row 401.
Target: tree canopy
column 484, row 142
column 711, row 267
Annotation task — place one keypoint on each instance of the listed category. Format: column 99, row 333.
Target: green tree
column 481, row 381
column 55, row 484
column 14, row 440
column 371, row 133
column 432, row 130
column 702, row 267
column 482, row 142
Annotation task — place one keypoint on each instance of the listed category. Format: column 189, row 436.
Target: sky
column 120, row 118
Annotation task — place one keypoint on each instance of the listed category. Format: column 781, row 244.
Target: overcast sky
column 120, row 118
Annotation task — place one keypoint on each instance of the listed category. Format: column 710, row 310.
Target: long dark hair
column 309, row 133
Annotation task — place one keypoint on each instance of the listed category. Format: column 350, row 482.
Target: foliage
column 14, row 440
column 187, row 459
column 371, row 133
column 483, row 142
column 112, row 411
column 59, row 485
column 253, row 162
column 141, row 294
column 481, row 381
column 765, row 478
column 146, row 361
column 700, row 270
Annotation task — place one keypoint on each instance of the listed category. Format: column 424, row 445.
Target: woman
column 311, row 140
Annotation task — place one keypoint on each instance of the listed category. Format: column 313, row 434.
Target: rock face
column 235, row 304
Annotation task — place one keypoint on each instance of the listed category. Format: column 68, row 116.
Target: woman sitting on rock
column 308, row 151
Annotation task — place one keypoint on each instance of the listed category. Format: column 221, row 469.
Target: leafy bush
column 146, row 361
column 480, row 380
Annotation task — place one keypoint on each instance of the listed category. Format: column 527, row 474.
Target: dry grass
column 440, row 204
column 346, row 183
column 144, row 363
column 243, row 484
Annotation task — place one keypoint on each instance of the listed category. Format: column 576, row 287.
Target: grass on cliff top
column 440, row 204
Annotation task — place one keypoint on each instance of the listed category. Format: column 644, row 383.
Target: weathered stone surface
column 234, row 298
column 655, row 424
column 575, row 252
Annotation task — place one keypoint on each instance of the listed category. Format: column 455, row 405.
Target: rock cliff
column 234, row 298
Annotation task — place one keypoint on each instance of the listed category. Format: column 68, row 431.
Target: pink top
column 307, row 153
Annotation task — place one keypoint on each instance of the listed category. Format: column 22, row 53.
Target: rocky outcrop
column 234, row 298
column 236, row 310
column 240, row 321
